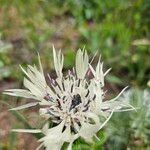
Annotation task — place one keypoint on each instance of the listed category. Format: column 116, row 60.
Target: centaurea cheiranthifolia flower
column 74, row 102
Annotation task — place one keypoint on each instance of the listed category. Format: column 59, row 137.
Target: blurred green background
column 119, row 30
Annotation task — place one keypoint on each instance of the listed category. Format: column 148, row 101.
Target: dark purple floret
column 75, row 101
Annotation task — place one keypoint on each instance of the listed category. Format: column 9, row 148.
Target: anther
column 87, row 93
column 86, row 109
column 58, row 95
column 72, row 88
column 94, row 97
column 87, row 103
column 63, row 86
column 79, row 82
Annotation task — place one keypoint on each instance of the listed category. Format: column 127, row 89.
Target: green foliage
column 80, row 144
column 108, row 26
column 4, row 49
column 131, row 129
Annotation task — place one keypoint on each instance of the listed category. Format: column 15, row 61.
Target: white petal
column 39, row 147
column 106, row 120
column 34, row 90
column 91, row 128
column 53, row 140
column 45, row 128
column 20, row 93
column 68, row 136
column 24, row 71
column 58, row 62
column 122, row 110
column 118, row 94
column 43, row 113
column 70, row 146
column 55, row 130
column 94, row 57
column 40, row 64
column 25, row 106
column 81, row 63
column 93, row 71
column 107, row 72
column 26, row 130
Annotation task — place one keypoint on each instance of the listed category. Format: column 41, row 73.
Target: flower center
column 75, row 101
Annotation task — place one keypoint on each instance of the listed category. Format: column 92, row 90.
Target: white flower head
column 74, row 103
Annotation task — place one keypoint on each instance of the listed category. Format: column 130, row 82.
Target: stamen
column 52, row 81
column 49, row 112
column 87, row 93
column 79, row 82
column 48, row 97
column 94, row 97
column 75, row 110
column 78, row 122
column 86, row 109
column 58, row 85
column 73, row 130
column 87, row 103
column 64, row 97
column 58, row 95
column 56, row 120
column 72, row 88
column 63, row 85
column 105, row 109
column 51, row 85
column 59, row 104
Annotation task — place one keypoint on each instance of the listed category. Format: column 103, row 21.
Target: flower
column 74, row 103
